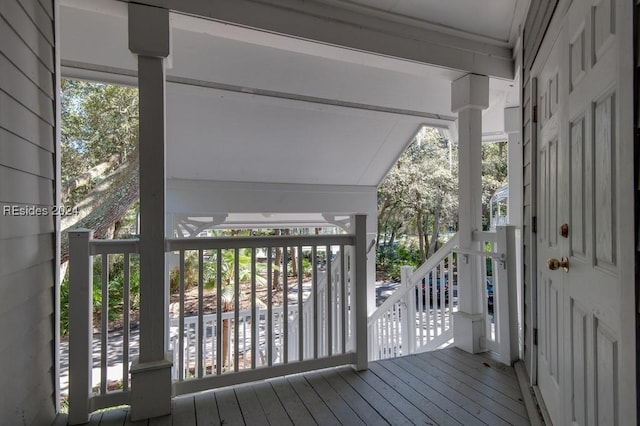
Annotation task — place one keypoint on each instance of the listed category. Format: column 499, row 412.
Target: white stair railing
column 418, row 315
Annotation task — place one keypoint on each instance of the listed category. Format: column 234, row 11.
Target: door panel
column 604, row 137
column 579, row 309
column 550, row 202
column 579, row 356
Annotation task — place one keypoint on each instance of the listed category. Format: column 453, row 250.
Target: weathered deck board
column 439, row 388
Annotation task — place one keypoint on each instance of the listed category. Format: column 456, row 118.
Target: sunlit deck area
column 443, row 387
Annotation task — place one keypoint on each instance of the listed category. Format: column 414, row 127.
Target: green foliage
column 98, row 121
column 391, row 257
column 210, row 272
column 494, row 175
column 418, row 199
column 115, row 289
column 420, row 192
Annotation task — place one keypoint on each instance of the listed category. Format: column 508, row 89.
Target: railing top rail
column 434, row 260
column 114, row 246
column 174, row 244
column 484, row 236
column 419, row 273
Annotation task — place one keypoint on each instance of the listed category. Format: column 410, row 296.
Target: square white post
column 512, row 128
column 469, row 96
column 362, row 357
column 149, row 38
column 80, row 326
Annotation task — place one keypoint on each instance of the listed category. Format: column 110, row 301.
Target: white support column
column 149, row 38
column 469, row 96
column 512, row 128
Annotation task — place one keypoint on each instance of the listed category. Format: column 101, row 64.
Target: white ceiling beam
column 331, row 25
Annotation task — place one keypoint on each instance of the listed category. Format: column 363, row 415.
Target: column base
column 151, row 388
column 468, row 331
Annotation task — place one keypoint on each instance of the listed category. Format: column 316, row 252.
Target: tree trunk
column 85, row 178
column 425, row 234
column 292, row 256
column 435, row 232
column 276, row 269
column 117, row 227
column 420, row 233
column 106, row 204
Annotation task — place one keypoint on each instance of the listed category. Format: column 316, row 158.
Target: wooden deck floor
column 445, row 387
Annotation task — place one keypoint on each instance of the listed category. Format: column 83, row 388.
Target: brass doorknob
column 554, row 264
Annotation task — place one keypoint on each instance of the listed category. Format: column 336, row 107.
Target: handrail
column 416, row 276
column 209, row 243
column 98, row 246
column 434, row 260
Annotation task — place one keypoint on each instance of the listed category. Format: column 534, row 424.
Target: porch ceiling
column 251, row 106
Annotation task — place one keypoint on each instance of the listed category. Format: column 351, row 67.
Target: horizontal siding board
column 27, row 243
column 533, row 31
column 527, row 174
column 526, row 113
column 19, row 120
column 527, row 157
column 21, row 226
column 18, row 86
column 18, row 19
column 18, row 187
column 48, row 7
column 526, row 91
column 20, row 154
column 21, row 253
column 40, row 17
column 536, row 28
column 36, row 319
column 530, row 31
column 20, row 287
column 27, row 61
column 35, row 352
column 34, row 399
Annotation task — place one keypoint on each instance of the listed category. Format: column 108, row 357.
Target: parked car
column 489, row 287
column 426, row 294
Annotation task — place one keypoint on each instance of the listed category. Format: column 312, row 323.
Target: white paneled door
column 578, row 264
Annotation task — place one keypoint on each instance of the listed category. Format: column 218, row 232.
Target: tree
column 99, row 162
column 494, row 175
column 419, row 195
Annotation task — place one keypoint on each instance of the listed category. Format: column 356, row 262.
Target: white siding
column 27, row 243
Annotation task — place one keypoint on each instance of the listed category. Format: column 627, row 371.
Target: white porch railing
column 251, row 344
column 418, row 316
column 88, row 391
column 328, row 301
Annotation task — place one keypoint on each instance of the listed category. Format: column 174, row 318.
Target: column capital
column 149, row 31
column 470, row 91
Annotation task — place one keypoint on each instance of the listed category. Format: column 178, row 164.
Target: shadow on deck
column 444, row 387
